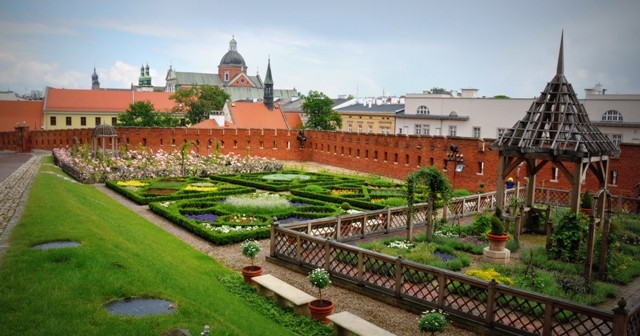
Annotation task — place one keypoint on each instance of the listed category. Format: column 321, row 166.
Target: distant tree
column 439, row 90
column 143, row 114
column 320, row 114
column 501, row 97
column 199, row 101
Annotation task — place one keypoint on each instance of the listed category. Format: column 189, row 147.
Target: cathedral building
column 232, row 76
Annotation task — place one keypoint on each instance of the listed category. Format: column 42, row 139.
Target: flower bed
column 86, row 167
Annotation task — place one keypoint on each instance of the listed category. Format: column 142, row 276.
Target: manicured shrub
column 568, row 241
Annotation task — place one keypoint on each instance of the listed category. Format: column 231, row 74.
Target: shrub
column 490, row 274
column 497, row 227
column 250, row 249
column 586, row 201
column 432, row 321
column 568, row 241
column 394, row 202
column 481, row 224
column 319, row 278
column 345, row 206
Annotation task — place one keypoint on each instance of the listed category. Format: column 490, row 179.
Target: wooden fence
column 472, row 303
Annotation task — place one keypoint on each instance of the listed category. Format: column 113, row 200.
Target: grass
column 63, row 292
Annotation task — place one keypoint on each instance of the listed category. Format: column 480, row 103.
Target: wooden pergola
column 555, row 130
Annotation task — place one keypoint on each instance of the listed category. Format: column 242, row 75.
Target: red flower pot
column 320, row 309
column 249, row 272
column 497, row 243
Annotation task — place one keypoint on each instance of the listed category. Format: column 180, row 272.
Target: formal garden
column 228, row 199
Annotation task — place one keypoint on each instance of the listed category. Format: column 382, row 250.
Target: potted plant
column 586, row 203
column 250, row 249
column 320, row 308
column 497, row 236
column 433, row 321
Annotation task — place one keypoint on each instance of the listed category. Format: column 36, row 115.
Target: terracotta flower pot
column 249, row 272
column 320, row 309
column 497, row 243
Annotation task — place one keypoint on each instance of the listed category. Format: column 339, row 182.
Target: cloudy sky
column 363, row 48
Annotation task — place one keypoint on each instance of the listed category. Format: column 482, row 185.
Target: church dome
column 232, row 57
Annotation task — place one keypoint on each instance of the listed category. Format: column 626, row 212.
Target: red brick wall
column 362, row 152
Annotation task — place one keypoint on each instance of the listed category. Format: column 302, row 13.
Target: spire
column 560, row 70
column 95, row 84
column 268, row 79
column 268, row 88
column 233, row 45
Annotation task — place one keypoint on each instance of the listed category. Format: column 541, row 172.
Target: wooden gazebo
column 100, row 134
column 556, row 130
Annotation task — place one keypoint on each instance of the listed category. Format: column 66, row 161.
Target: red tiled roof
column 208, row 123
column 256, row 115
column 293, row 119
column 103, row 100
column 13, row 112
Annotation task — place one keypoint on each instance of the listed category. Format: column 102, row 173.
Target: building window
column 614, row 177
column 612, row 115
column 83, row 121
column 226, row 76
column 426, row 130
column 98, row 121
column 453, row 130
column 359, row 129
column 481, row 168
column 67, row 121
column 350, row 128
column 52, row 121
column 418, row 130
column 476, row 132
column 114, row 121
column 616, row 139
column 370, row 129
column 554, row 174
column 501, row 132
column 422, row 110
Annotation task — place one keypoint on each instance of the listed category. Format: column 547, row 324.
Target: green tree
column 143, row 114
column 438, row 190
column 501, row 97
column 199, row 101
column 321, row 116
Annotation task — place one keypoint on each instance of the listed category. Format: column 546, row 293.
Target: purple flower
column 208, row 217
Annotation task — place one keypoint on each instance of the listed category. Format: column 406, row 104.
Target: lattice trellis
column 379, row 272
column 634, row 325
column 313, row 253
column 420, row 285
column 572, row 324
column 466, row 297
column 519, row 313
column 345, row 263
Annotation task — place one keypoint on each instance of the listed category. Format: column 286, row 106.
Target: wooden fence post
column 399, row 275
column 327, row 254
column 620, row 319
column 272, row 243
column 491, row 302
column 360, row 274
column 442, row 287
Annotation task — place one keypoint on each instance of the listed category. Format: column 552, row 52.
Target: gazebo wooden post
column 590, row 248
column 500, row 187
column 576, row 184
column 530, row 196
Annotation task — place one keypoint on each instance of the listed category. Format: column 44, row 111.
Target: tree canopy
column 320, row 114
column 199, row 101
column 143, row 114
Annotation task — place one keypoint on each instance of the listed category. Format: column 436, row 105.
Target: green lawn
column 63, row 291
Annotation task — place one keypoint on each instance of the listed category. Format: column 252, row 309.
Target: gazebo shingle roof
column 557, row 124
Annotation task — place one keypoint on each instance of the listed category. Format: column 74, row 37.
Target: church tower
column 144, row 81
column 95, row 84
column 231, row 64
column 268, row 88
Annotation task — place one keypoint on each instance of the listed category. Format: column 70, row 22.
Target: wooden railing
column 471, row 302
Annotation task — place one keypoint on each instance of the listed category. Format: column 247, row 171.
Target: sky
column 360, row 48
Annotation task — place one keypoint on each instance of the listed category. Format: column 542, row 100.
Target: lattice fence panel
column 519, row 313
column 634, row 325
column 351, row 227
column 398, row 219
column 379, row 272
column 285, row 245
column 324, row 230
column 466, row 298
column 568, row 323
column 313, row 253
column 344, row 263
column 420, row 285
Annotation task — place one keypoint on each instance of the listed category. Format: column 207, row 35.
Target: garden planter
column 497, row 242
column 249, row 272
column 320, row 309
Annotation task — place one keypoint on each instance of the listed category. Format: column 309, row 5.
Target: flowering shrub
column 256, row 203
column 89, row 168
column 433, row 321
column 194, row 187
column 401, row 244
column 490, row 274
column 250, row 249
column 131, row 183
column 319, row 278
